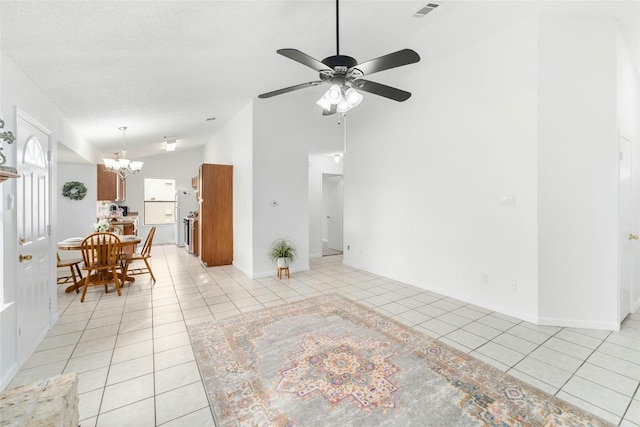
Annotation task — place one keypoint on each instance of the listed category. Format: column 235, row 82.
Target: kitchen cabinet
column 216, row 214
column 111, row 186
column 126, row 226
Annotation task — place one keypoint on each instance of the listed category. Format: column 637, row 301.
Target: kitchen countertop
column 125, row 220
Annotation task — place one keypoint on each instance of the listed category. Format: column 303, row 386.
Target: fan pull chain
column 344, row 148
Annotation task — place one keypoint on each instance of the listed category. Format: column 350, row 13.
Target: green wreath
column 74, row 190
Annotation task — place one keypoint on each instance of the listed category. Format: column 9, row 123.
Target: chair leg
column 77, row 279
column 116, row 280
column 73, row 274
column 125, row 270
column 150, row 271
column 86, row 285
column 77, row 268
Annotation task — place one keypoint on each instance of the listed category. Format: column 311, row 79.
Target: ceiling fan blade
column 303, row 58
column 332, row 111
column 381, row 90
column 289, row 89
column 386, row 62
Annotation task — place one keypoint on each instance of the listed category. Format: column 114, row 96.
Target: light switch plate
column 508, row 201
column 11, row 202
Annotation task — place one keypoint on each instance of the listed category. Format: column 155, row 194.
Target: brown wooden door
column 216, row 214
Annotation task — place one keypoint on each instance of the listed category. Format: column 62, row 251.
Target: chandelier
column 342, row 98
column 121, row 165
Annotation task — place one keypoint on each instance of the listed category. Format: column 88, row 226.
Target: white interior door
column 627, row 239
column 332, row 202
column 33, row 272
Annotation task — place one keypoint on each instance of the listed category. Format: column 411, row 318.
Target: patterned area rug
column 328, row 361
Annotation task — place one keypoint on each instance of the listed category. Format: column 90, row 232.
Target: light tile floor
column 136, row 366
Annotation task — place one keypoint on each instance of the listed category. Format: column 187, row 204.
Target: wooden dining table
column 75, row 244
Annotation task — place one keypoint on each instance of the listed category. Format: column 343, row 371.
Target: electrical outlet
column 485, row 278
column 514, row 286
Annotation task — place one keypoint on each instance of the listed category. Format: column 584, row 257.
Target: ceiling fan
column 344, row 74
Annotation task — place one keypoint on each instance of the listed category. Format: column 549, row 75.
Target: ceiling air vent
column 422, row 12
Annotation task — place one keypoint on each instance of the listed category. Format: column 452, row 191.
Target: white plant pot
column 283, row 262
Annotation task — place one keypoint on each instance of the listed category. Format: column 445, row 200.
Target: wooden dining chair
column 101, row 256
column 75, row 275
column 144, row 255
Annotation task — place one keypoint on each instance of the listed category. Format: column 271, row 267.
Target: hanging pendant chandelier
column 121, row 165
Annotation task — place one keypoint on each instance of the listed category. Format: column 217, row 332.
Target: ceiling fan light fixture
column 353, row 97
column 334, row 95
column 343, row 106
column 326, row 105
column 343, row 73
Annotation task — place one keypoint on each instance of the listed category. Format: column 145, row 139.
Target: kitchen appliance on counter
column 123, row 209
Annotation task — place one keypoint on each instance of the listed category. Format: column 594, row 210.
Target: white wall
column 75, row 217
column 284, row 128
column 318, row 165
column 267, row 144
column 20, row 92
column 178, row 165
column 423, row 186
column 528, row 112
column 577, row 172
column 233, row 145
column 280, row 177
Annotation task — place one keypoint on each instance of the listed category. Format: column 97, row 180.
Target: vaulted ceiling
column 163, row 68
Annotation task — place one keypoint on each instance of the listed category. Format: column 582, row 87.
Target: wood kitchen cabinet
column 111, row 186
column 216, row 214
column 126, row 228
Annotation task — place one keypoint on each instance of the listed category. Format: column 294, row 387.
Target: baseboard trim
column 8, row 376
column 579, row 323
column 528, row 317
column 241, row 268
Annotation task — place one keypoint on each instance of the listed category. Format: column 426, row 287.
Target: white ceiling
column 163, row 67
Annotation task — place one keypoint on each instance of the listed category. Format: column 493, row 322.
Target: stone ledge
column 50, row 402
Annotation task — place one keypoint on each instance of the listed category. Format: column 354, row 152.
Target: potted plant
column 283, row 252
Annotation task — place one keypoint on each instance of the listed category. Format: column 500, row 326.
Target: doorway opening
column 627, row 241
column 332, row 208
